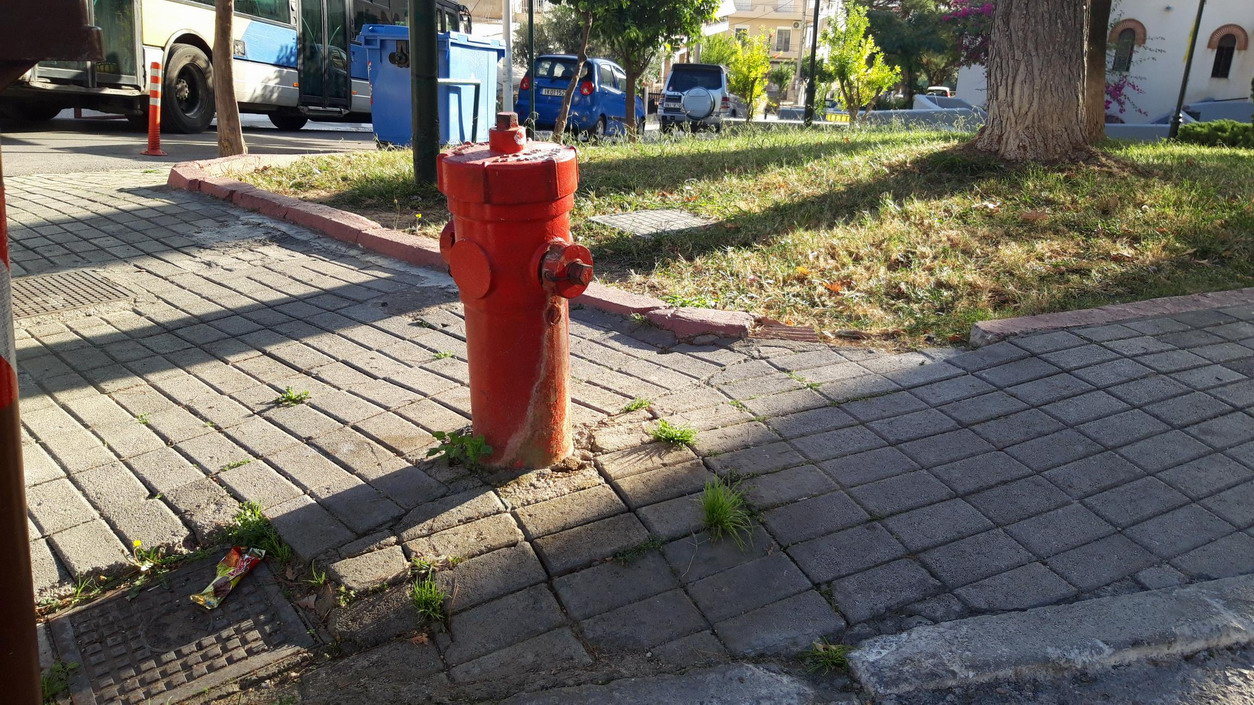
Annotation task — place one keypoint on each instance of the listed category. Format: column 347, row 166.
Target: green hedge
column 1219, row 133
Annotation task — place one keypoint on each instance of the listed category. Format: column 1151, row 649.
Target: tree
column 586, row 10
column 1095, row 71
column 1036, row 89
column 634, row 31
column 230, row 133
column 781, row 76
column 971, row 22
column 558, row 31
column 856, row 63
column 748, row 62
column 914, row 39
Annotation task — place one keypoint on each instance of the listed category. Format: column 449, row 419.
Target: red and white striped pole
column 154, row 112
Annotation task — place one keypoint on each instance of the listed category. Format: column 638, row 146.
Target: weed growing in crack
column 637, row 404
column 667, row 432
column 55, row 682
column 824, row 657
column 724, row 511
column 428, row 598
column 235, row 464
column 460, row 447
column 252, row 529
column 291, row 397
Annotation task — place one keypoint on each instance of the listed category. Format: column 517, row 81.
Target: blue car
column 599, row 106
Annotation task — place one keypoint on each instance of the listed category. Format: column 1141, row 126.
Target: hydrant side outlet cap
column 542, row 173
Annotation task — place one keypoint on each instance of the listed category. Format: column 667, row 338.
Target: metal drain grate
column 646, row 224
column 66, row 291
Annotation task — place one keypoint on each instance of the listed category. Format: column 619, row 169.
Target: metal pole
column 1188, row 67
column 507, row 36
column 531, row 54
column 18, row 647
column 812, row 84
column 424, row 63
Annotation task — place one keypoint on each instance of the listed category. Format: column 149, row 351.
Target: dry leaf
column 420, row 639
column 307, row 601
column 834, row 287
column 1034, row 216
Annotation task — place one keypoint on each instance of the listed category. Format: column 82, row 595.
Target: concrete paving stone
column 1079, row 357
column 113, row 488
column 368, row 543
column 934, row 371
column 77, row 450
column 785, row 627
column 1188, row 409
column 766, row 458
column 1203, row 318
column 750, row 369
column 183, row 388
column 723, row 595
column 204, row 506
column 642, row 625
column 370, row 570
column 395, row 433
column 1235, row 505
column 975, row 557
column 786, row 403
column 989, row 356
column 556, row 649
column 89, row 548
column 1164, row 451
column 790, row 485
column 983, row 408
column 883, row 406
column 1243, row 454
column 583, row 545
column 1101, row 562
column 97, row 410
column 695, row 557
column 1113, row 372
column 1062, row 529
column 1172, row 360
column 1224, row 431
column 1171, row 534
column 807, row 360
column 1221, row 558
column 691, row 650
column 1157, row 326
column 303, row 421
column 1053, row 450
column 385, row 393
column 37, row 466
column 1025, row 587
column 1136, row 501
column 945, row 448
column 810, row 422
column 660, row 485
column 1017, row 428
column 151, row 522
column 908, row 427
column 1123, row 428
column 773, row 383
column 1208, row 377
column 1093, row 474
column 260, row 483
column 501, row 623
column 1206, row 475
column 652, row 456
column 1221, row 352
column 221, row 412
column 47, row 574
column 674, row 517
column 346, row 408
column 688, row 400
column 1050, row 389
column 885, row 363
column 952, row 390
column 816, row 516
column 613, row 584
column 176, row 425
column 307, row 527
column 57, row 505
column 432, row 416
column 837, row 443
column 873, row 592
column 857, row 387
column 980, row 472
column 1048, row 342
column 569, row 511
column 130, row 438
column 937, row 524
column 1241, row 330
column 1146, row 391
column 901, row 493
column 1020, row 371
column 1161, row 576
column 846, row 552
column 489, row 576
column 869, row 466
column 732, row 438
column 468, row 540
column 213, row 452
column 1086, row 407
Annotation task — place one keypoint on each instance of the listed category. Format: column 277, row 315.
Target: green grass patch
column 724, row 511
column 251, row 528
column 460, row 447
column 636, row 404
column 55, row 681
column 291, row 397
column 428, row 598
column 668, row 432
column 825, row 658
column 892, row 233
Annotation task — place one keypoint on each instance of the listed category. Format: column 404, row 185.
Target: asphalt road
column 65, row 145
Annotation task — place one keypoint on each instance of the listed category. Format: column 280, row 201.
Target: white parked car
column 698, row 95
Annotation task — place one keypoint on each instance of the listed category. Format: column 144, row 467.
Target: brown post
column 29, row 32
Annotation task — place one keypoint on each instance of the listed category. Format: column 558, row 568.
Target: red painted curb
column 207, row 177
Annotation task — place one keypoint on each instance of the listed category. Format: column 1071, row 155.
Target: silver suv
column 698, row 95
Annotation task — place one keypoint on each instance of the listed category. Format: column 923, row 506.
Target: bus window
column 273, row 10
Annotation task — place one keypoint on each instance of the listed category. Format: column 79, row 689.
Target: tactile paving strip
column 650, row 223
column 64, row 291
column 161, row 647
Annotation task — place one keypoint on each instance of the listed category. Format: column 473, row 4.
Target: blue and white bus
column 294, row 60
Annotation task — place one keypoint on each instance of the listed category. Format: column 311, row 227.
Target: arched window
column 1123, row 50
column 1224, row 51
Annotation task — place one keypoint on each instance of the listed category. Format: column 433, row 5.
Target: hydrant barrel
column 509, row 248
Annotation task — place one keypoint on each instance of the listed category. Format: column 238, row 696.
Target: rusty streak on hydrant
column 509, row 249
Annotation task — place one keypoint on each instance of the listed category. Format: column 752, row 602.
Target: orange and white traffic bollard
column 154, row 112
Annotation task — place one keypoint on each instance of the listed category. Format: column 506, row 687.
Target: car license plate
column 552, row 91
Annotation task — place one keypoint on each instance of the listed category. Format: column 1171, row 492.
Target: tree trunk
column 908, row 73
column 230, row 134
column 559, row 125
column 1036, row 88
column 1095, row 93
column 629, row 114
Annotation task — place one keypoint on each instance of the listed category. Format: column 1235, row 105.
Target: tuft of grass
column 724, row 511
column 55, row 681
column 317, row 578
column 143, row 419
column 291, row 397
column 443, row 355
column 428, row 598
column 460, row 447
column 636, row 404
column 235, row 464
column 825, row 657
column 667, row 432
column 251, row 528
column 628, row 555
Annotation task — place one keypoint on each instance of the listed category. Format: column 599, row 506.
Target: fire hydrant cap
column 542, row 172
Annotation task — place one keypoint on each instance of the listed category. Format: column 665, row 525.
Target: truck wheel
column 187, row 94
column 288, row 123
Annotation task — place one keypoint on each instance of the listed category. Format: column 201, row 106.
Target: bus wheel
column 187, row 94
column 288, row 123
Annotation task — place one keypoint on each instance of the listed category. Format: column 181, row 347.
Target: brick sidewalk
column 892, row 490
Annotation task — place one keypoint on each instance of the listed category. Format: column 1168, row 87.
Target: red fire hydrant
column 509, row 249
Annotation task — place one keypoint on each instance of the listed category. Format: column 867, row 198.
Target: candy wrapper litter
column 235, row 565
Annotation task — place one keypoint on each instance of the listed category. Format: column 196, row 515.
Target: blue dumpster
column 467, row 69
